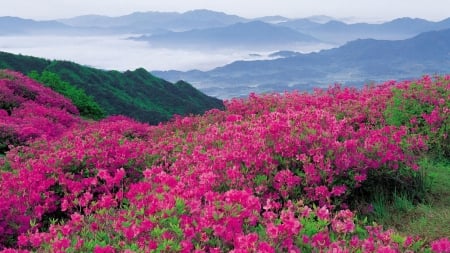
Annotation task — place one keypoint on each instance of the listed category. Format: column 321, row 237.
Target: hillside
column 137, row 94
column 293, row 172
column 29, row 111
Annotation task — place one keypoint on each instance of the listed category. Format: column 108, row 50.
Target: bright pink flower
column 338, row 190
column 272, row 231
column 323, row 213
column 285, row 181
column 441, row 246
column 320, row 240
column 265, row 247
column 386, row 249
column 321, row 192
column 105, row 249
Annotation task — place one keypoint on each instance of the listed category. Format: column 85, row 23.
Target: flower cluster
column 29, row 111
column 271, row 173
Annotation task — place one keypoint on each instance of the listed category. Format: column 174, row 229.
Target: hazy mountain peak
column 273, row 19
column 321, row 19
column 206, row 12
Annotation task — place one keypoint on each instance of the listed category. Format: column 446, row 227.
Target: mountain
column 162, row 26
column 136, row 94
column 284, row 54
column 254, row 34
column 20, row 26
column 151, row 22
column 16, row 26
column 356, row 62
column 339, row 32
column 272, row 19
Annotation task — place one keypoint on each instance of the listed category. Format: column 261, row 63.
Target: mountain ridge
column 357, row 62
column 339, row 32
column 151, row 21
column 324, row 28
column 136, row 94
column 251, row 34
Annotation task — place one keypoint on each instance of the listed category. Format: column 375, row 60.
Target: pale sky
column 362, row 9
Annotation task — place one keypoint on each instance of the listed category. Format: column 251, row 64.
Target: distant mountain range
column 135, row 23
column 136, row 94
column 149, row 22
column 250, row 35
column 19, row 26
column 206, row 26
column 339, row 32
column 357, row 62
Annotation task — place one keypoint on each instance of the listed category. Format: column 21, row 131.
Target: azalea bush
column 423, row 106
column 29, row 111
column 271, row 173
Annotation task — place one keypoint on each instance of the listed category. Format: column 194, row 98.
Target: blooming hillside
column 271, row 173
column 29, row 110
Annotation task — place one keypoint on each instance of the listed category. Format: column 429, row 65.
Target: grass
column 429, row 219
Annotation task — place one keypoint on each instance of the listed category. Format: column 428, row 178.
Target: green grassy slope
column 137, row 93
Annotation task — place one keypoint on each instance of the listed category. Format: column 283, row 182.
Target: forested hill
column 136, row 94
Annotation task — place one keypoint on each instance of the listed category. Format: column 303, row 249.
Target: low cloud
column 119, row 53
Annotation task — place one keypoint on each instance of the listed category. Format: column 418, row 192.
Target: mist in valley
column 118, row 52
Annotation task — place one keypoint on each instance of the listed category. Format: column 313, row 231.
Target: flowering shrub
column 423, row 106
column 271, row 173
column 29, row 111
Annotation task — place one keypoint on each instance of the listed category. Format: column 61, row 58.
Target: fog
column 119, row 53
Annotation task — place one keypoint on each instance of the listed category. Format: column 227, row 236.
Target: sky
column 358, row 9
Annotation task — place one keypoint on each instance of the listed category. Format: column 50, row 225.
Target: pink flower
column 360, row 178
column 343, row 225
column 409, row 240
column 285, row 181
column 321, row 192
column 186, row 246
column 76, row 218
column 386, row 249
column 272, row 231
column 338, row 190
column 265, row 247
column 323, row 213
column 247, row 242
column 106, row 249
column 441, row 246
column 354, row 242
column 320, row 240
column 23, row 240
column 94, row 226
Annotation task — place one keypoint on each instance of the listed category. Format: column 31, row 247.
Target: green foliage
column 136, row 94
column 5, row 75
column 401, row 109
column 402, row 188
column 260, row 179
column 86, row 105
column 312, row 225
column 7, row 138
column 426, row 215
column 409, row 107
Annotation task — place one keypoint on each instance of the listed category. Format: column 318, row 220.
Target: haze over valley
column 226, row 55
